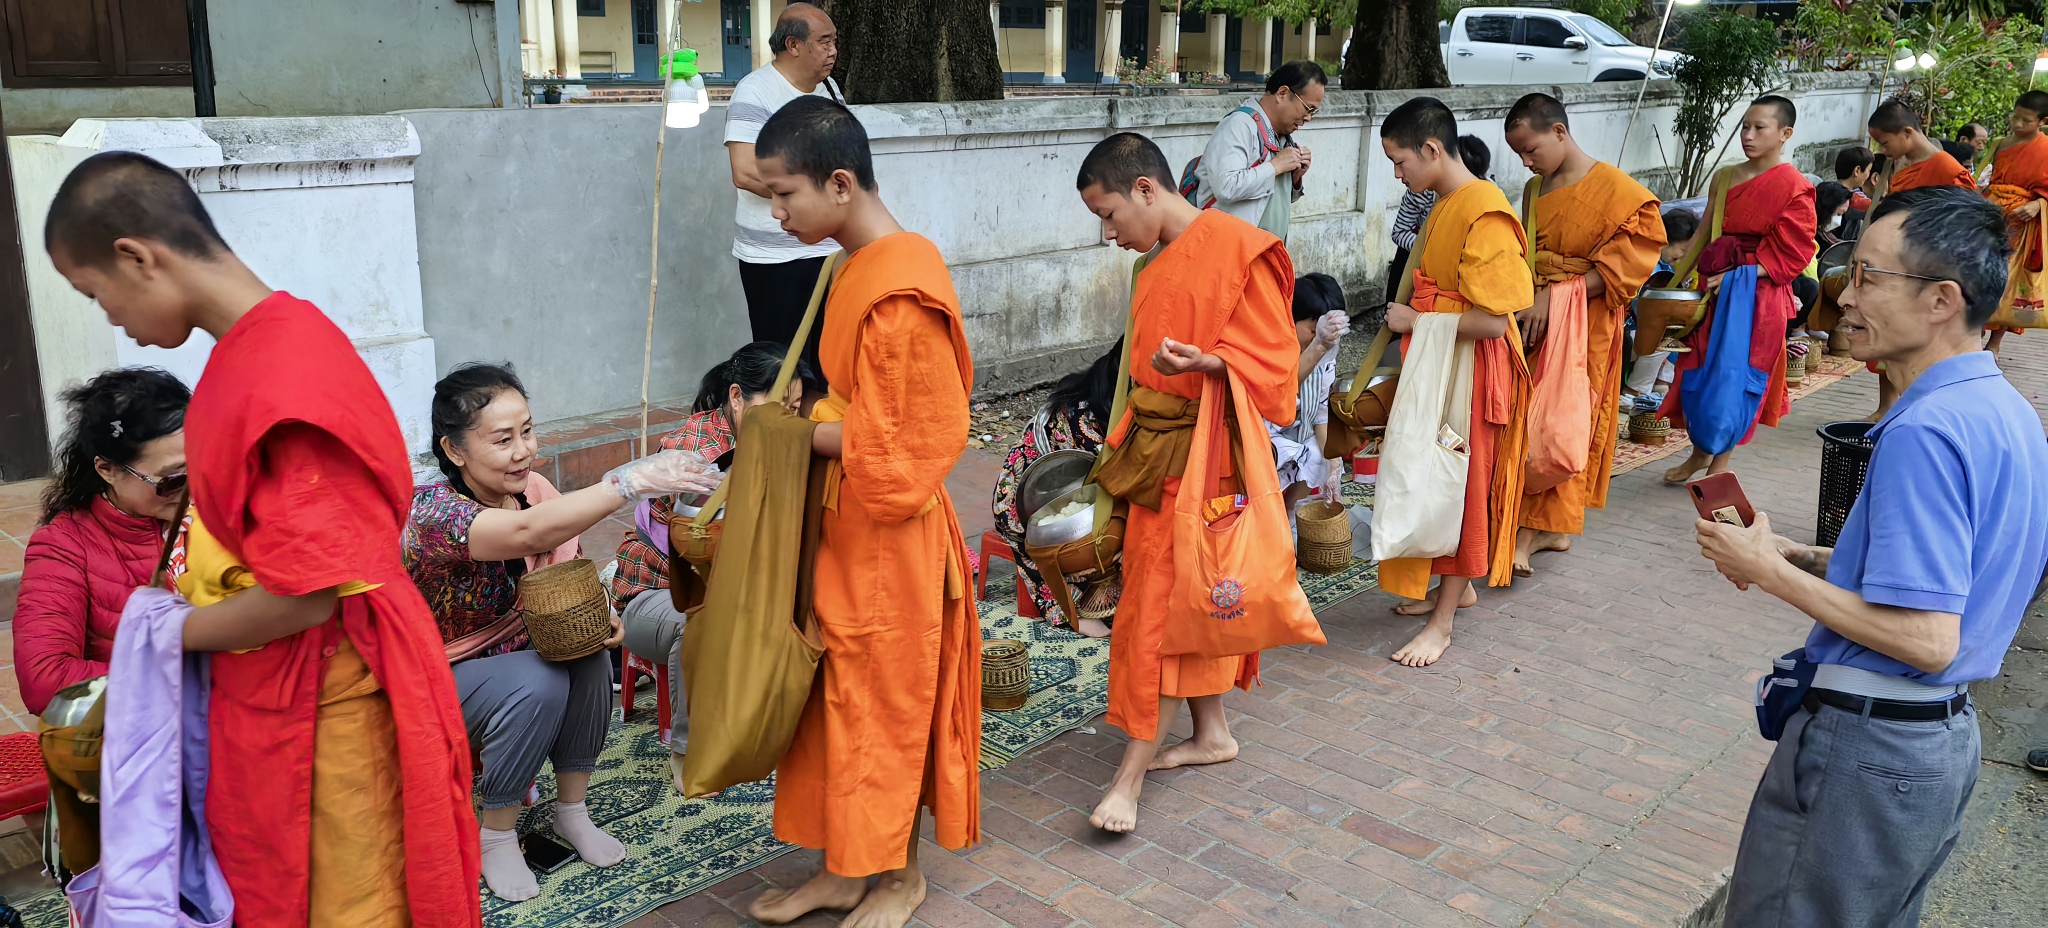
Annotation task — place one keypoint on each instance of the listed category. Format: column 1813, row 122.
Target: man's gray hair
column 792, row 24
column 1954, row 234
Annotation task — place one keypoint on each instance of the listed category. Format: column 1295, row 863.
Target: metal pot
column 1066, row 529
column 72, row 703
column 1055, row 474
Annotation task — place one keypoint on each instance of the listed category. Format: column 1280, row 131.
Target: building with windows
column 1100, row 34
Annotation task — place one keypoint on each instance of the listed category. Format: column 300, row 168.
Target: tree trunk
column 1396, row 49
column 916, row 51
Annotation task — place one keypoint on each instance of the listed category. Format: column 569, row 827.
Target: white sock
column 572, row 822
column 505, row 870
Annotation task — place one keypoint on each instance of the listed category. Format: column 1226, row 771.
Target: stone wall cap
column 271, row 140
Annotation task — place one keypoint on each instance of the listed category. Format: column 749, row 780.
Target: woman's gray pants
column 521, row 709
column 654, row 630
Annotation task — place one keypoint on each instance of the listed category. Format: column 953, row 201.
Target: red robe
column 1767, row 221
column 298, row 468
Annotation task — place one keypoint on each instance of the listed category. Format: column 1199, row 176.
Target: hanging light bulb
column 1688, row 2
column 1926, row 61
column 685, row 99
column 1906, row 60
column 2041, row 61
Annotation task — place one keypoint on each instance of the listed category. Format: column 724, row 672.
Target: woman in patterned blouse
column 1076, row 415
column 476, row 527
column 639, row 589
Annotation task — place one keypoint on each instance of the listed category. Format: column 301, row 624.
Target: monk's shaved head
column 1892, row 117
column 122, row 194
column 2033, row 101
column 1116, row 163
column 1538, row 111
column 1787, row 114
column 813, row 137
column 1420, row 120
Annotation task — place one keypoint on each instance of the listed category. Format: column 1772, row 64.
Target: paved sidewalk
column 1583, row 755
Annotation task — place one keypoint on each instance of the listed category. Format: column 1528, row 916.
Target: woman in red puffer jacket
column 121, row 476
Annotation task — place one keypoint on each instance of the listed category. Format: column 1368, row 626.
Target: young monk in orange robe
column 1596, row 223
column 1768, row 221
column 893, row 725
column 1217, row 298
column 1473, row 263
column 2019, row 185
column 338, row 791
column 1921, row 163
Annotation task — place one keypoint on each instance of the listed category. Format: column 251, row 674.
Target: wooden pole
column 654, row 247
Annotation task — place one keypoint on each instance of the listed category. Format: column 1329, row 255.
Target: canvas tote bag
column 750, row 653
column 1419, row 510
column 1235, row 590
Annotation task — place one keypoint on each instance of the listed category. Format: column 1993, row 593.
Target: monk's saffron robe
column 2019, row 175
column 1473, row 258
column 339, row 788
column 1609, row 223
column 1226, row 288
column 894, row 719
column 1941, row 169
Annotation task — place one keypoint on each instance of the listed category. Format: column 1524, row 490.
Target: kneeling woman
column 475, row 529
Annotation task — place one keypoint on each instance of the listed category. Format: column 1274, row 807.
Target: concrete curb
column 10, row 586
column 1714, row 911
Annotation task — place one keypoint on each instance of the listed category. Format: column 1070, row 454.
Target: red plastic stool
column 24, row 784
column 631, row 664
column 994, row 545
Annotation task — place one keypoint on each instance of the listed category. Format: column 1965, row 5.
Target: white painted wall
column 319, row 207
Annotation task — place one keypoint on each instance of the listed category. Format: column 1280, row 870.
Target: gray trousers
column 521, row 709
column 654, row 630
column 1852, row 819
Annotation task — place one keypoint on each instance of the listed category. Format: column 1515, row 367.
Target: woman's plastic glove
column 663, row 473
column 1330, row 327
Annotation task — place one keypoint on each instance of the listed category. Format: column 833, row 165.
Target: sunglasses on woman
column 165, row 486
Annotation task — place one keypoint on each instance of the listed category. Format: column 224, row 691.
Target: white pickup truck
column 1525, row 45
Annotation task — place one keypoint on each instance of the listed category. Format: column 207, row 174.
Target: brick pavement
column 1582, row 756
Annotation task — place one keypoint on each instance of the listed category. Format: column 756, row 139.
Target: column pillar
column 764, row 24
column 1218, row 22
column 566, row 44
column 1111, row 52
column 1259, row 42
column 1055, row 41
column 544, row 34
column 1169, row 40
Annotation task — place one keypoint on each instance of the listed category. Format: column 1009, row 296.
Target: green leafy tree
column 1729, row 60
column 1980, row 67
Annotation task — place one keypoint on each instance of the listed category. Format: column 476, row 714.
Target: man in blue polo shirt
column 1864, row 796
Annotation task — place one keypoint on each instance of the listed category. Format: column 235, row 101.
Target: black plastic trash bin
column 1844, row 459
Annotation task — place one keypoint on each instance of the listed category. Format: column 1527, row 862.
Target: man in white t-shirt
column 777, row 271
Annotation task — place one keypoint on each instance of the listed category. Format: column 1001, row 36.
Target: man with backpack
column 1251, row 167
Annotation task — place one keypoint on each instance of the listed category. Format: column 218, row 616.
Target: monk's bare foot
column 1118, row 810
column 1196, row 751
column 1525, row 538
column 1683, row 472
column 890, row 904
column 827, row 890
column 1551, row 541
column 1424, row 649
column 1093, row 628
column 1411, row 607
column 1879, row 415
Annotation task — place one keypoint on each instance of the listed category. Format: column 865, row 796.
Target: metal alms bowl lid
column 1835, row 259
column 1057, row 473
column 72, row 703
column 1667, row 294
column 1063, row 530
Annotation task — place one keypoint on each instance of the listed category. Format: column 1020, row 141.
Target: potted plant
column 551, row 88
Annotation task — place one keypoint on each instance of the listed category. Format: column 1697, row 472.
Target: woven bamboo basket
column 1795, row 370
column 1005, row 674
column 1323, row 542
column 566, row 613
column 1648, row 428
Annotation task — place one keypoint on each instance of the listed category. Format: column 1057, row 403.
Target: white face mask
column 1834, row 222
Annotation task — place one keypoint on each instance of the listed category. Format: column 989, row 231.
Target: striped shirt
column 1414, row 212
column 759, row 238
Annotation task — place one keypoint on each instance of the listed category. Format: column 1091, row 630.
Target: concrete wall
column 309, row 58
column 534, row 224
column 320, row 207
column 533, row 236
